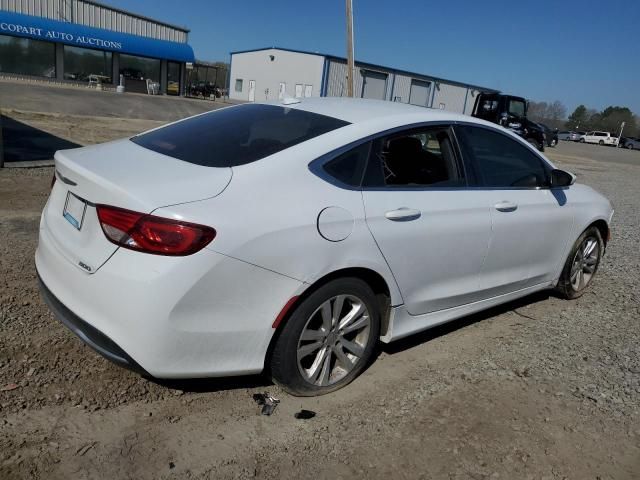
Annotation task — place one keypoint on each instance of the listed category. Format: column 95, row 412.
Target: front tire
column 534, row 142
column 582, row 140
column 328, row 340
column 581, row 264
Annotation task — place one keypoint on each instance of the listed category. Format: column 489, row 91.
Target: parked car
column 296, row 236
column 205, row 89
column 564, row 135
column 601, row 138
column 132, row 73
column 551, row 135
column 630, row 143
column 510, row 112
column 576, row 136
column 173, row 88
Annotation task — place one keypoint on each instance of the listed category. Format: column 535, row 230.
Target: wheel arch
column 375, row 280
column 603, row 228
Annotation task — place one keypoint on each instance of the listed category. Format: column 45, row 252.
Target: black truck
column 511, row 113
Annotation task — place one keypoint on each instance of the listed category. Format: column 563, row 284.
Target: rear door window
column 237, row 135
column 424, row 157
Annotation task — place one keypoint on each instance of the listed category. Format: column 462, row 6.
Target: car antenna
column 290, row 100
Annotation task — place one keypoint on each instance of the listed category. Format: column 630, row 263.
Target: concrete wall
column 289, row 67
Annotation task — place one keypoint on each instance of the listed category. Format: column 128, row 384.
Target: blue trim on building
column 38, row 28
column 393, row 87
column 324, row 83
column 279, row 48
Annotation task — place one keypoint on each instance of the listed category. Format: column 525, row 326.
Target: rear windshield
column 237, row 135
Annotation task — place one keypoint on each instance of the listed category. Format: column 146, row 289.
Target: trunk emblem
column 85, row 266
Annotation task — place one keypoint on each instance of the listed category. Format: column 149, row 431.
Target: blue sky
column 573, row 51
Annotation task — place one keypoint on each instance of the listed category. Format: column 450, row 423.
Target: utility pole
column 350, row 61
column 620, row 134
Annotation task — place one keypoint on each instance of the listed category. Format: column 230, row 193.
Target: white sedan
column 294, row 237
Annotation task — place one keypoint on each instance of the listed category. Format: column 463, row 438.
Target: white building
column 272, row 73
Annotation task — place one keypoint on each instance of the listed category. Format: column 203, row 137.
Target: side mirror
column 560, row 178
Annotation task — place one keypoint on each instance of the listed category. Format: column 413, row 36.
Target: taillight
column 151, row 234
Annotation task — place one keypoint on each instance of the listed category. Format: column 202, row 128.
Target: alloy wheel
column 584, row 263
column 333, row 340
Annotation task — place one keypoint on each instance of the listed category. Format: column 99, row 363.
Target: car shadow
column 210, row 385
column 23, row 143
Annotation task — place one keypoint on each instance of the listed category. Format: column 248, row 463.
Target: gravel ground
column 542, row 388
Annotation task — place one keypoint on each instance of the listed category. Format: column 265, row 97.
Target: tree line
column 582, row 119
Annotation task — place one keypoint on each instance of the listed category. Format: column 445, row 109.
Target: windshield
column 237, row 135
column 516, row 108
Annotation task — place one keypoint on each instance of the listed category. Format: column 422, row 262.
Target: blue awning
column 82, row 36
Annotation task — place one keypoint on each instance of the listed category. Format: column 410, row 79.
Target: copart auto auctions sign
column 53, row 35
column 69, row 33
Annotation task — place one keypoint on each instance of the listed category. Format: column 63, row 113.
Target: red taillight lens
column 151, row 234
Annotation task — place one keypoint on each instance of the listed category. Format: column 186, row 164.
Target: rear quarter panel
column 268, row 216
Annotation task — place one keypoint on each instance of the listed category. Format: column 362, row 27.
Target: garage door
column 419, row 94
column 374, row 85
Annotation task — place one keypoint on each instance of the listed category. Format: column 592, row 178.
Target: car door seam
column 488, row 249
column 366, row 222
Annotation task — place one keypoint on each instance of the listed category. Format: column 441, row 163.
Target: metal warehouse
column 86, row 41
column 272, row 73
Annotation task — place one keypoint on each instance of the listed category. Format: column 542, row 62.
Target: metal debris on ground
column 268, row 402
column 304, row 414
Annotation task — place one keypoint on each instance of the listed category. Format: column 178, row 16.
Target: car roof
column 359, row 110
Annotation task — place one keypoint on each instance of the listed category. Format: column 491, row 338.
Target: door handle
column 506, row 206
column 403, row 214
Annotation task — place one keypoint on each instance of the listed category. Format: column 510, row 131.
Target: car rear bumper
column 202, row 315
column 88, row 334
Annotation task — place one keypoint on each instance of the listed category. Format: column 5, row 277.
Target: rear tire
column 601, row 143
column 582, row 140
column 629, row 146
column 581, row 264
column 328, row 340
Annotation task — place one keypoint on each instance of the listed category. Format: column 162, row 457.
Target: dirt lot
column 539, row 389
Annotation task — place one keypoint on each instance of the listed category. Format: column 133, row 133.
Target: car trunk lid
column 120, row 174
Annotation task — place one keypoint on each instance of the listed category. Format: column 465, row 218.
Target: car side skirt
column 403, row 324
